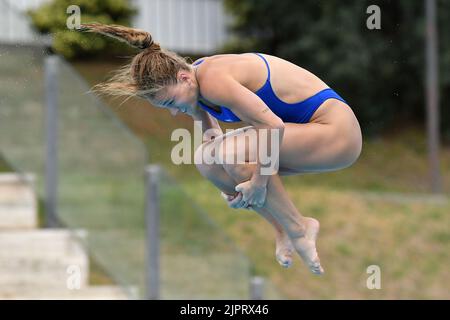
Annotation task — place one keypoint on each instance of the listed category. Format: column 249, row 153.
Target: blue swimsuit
column 299, row 112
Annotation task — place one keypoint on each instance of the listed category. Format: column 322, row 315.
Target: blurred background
column 92, row 207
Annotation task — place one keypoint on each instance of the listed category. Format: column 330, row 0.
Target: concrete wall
column 14, row 26
column 194, row 26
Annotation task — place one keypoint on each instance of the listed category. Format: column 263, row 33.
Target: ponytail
column 134, row 37
column 149, row 72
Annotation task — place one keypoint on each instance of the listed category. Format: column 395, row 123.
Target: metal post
column 432, row 89
column 51, row 170
column 257, row 288
column 153, row 174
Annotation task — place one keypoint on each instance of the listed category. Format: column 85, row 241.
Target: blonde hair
column 150, row 71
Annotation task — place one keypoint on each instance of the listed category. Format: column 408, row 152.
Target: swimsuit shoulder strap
column 267, row 64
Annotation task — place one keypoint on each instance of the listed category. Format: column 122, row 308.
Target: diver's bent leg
column 302, row 231
column 223, row 181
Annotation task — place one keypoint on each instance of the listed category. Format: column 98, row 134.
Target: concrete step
column 87, row 293
column 39, row 272
column 40, row 243
column 41, row 257
column 18, row 205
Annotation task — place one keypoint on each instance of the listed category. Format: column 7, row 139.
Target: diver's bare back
column 290, row 82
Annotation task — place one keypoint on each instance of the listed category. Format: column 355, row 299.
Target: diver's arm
column 209, row 124
column 250, row 108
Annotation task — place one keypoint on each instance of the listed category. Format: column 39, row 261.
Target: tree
column 51, row 18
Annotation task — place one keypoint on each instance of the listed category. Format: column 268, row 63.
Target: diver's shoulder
column 199, row 60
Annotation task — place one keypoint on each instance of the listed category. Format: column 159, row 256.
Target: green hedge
column 51, row 18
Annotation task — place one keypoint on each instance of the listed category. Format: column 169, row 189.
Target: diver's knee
column 239, row 171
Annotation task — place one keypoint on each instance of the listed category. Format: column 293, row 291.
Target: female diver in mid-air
column 317, row 129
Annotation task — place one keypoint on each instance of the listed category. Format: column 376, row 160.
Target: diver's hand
column 234, row 201
column 253, row 194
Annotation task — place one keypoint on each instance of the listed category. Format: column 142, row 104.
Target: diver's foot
column 284, row 250
column 306, row 245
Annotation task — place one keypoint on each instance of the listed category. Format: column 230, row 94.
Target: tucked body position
column 316, row 130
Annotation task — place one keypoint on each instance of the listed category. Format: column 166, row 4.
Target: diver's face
column 181, row 97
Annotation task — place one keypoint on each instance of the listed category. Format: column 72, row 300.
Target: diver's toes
column 317, row 269
column 284, row 261
column 286, row 264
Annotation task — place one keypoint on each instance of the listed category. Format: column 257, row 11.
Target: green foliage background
column 51, row 18
column 379, row 72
